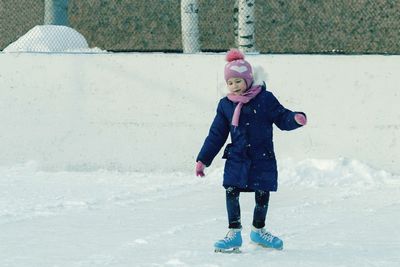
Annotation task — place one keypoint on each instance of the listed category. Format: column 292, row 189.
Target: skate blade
column 266, row 247
column 228, row 251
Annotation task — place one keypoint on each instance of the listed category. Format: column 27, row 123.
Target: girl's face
column 236, row 86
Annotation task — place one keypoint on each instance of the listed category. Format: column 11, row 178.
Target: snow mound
column 51, row 38
column 342, row 173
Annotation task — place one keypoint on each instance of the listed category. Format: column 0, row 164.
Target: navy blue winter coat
column 250, row 158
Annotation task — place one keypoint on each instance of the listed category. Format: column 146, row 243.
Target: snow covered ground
column 328, row 212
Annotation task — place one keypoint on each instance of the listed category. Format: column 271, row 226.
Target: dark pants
column 233, row 207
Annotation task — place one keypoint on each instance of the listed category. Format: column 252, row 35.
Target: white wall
column 152, row 111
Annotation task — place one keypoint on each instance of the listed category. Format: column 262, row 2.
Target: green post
column 56, row 12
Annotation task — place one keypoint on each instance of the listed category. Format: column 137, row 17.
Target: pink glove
column 300, row 119
column 200, row 169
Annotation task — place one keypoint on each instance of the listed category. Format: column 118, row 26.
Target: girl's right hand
column 300, row 119
column 200, row 169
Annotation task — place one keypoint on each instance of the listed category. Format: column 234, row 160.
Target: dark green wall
column 17, row 17
column 291, row 26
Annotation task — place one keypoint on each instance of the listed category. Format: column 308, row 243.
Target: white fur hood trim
column 260, row 76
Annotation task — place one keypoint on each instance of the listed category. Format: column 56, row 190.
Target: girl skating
column 247, row 114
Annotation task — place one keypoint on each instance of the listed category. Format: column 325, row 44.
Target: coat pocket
column 262, row 153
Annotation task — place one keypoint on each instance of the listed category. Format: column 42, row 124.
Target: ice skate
column 231, row 243
column 266, row 239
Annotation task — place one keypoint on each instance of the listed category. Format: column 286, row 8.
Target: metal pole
column 56, row 12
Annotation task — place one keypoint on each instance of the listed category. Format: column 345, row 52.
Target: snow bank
column 343, row 173
column 51, row 38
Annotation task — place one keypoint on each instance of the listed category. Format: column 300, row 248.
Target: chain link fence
column 281, row 26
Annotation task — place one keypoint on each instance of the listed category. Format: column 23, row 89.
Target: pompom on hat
column 238, row 67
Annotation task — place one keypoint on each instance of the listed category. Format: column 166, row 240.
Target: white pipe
column 246, row 38
column 190, row 26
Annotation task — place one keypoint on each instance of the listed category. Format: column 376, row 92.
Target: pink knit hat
column 238, row 67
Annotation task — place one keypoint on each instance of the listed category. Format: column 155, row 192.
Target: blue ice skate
column 265, row 239
column 231, row 242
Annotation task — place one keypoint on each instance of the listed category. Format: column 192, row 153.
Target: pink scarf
column 242, row 99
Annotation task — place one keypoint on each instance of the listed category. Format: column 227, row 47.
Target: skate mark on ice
column 151, row 240
column 145, row 240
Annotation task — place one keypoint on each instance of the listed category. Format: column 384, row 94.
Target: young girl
column 247, row 113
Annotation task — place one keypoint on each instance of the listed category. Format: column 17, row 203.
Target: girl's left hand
column 300, row 119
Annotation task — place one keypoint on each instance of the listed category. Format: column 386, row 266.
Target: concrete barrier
column 151, row 112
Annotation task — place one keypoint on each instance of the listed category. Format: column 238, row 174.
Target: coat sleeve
column 216, row 138
column 282, row 117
